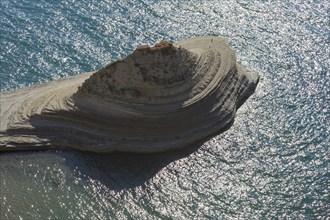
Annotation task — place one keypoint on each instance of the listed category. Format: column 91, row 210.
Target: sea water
column 273, row 163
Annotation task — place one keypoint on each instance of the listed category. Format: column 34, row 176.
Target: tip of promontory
column 163, row 47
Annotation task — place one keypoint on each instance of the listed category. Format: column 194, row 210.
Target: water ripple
column 272, row 163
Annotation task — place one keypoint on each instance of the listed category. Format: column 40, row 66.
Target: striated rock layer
column 157, row 98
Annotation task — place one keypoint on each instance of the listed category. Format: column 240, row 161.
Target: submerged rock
column 158, row 98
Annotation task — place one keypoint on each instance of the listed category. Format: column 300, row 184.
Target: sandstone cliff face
column 157, row 98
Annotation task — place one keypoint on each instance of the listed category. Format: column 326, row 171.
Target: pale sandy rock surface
column 157, row 98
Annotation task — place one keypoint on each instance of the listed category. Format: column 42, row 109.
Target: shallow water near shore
column 272, row 163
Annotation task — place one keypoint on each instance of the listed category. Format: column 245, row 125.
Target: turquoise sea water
column 273, row 163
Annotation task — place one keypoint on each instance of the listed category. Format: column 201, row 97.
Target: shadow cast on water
column 122, row 170
column 119, row 170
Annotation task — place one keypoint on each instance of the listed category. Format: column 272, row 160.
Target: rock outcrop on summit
column 158, row 98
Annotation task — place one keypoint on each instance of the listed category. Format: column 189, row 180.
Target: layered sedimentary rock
column 158, row 98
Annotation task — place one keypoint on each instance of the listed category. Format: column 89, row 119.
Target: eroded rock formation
column 157, row 98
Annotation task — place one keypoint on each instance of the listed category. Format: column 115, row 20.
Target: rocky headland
column 158, row 98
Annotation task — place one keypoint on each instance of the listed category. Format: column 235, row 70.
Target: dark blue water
column 273, row 163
